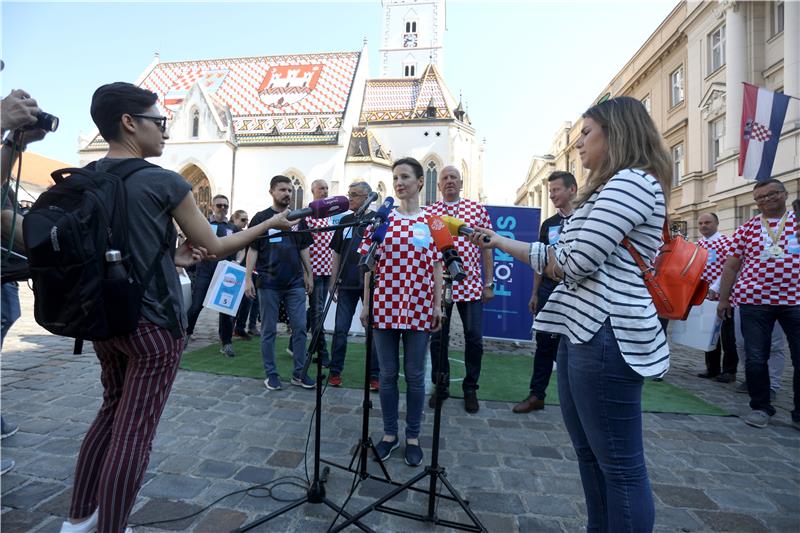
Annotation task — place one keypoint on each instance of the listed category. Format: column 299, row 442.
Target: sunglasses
column 221, row 206
column 160, row 122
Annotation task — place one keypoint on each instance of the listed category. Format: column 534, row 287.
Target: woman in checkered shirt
column 407, row 307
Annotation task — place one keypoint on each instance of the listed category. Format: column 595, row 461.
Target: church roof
column 295, row 99
column 408, row 99
column 365, row 148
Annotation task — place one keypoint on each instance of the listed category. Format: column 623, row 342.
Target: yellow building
column 689, row 76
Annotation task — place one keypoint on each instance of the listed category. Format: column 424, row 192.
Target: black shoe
column 725, row 377
column 432, row 400
column 707, row 375
column 413, row 455
column 471, row 402
column 385, row 448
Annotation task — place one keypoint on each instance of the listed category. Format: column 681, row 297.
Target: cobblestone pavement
column 221, row 434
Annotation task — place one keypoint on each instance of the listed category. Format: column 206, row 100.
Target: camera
column 44, row 121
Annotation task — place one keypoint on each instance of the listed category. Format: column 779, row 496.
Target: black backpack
column 66, row 233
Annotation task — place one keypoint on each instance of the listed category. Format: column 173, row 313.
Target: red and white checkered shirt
column 320, row 251
column 403, row 296
column 767, row 280
column 718, row 247
column 474, row 214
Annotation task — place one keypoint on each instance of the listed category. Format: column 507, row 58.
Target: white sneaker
column 87, row 526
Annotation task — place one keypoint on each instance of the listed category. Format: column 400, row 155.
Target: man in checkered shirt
column 767, row 252
column 468, row 295
column 320, row 253
column 717, row 245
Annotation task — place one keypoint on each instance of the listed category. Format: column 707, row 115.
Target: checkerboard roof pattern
column 407, row 98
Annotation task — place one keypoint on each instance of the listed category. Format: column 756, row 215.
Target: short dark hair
column 566, row 178
column 413, row 163
column 713, row 214
column 279, row 179
column 113, row 100
column 769, row 182
column 220, row 196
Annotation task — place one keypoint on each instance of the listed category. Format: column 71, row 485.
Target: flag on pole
column 763, row 113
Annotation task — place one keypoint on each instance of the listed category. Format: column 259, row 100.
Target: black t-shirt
column 279, row 264
column 549, row 233
column 345, row 242
column 220, row 229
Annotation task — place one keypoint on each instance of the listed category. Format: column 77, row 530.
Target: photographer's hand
column 18, row 110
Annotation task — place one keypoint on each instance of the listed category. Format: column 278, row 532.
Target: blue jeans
column 225, row 324
column 387, row 344
column 295, row 300
column 758, row 322
column 316, row 306
column 600, row 399
column 247, row 308
column 472, row 318
column 346, row 302
column 10, row 310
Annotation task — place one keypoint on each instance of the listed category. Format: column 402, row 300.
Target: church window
column 297, row 201
column 410, row 70
column 381, row 192
column 195, row 124
column 431, row 177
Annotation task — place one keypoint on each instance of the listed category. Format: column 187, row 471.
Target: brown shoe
column 531, row 403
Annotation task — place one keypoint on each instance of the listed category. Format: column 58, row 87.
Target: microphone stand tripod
column 316, row 490
column 435, row 472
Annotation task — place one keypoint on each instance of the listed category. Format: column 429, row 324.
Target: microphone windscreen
column 379, row 233
column 329, row 206
column 439, row 232
column 383, row 211
column 453, row 224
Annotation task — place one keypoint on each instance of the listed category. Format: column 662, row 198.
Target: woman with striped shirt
column 611, row 336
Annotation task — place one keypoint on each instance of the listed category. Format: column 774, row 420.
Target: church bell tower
column 413, row 37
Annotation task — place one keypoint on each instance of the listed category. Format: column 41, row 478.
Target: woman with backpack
column 138, row 369
column 611, row 338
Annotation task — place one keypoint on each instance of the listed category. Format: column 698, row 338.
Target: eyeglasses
column 161, row 122
column 221, row 206
column 767, row 197
column 242, row 220
column 354, row 195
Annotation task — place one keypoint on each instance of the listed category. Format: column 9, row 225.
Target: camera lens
column 44, row 121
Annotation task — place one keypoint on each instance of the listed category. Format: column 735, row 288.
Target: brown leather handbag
column 674, row 280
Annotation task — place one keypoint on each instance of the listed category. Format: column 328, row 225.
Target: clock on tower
column 410, row 40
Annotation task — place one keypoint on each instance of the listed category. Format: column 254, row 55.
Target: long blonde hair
column 633, row 142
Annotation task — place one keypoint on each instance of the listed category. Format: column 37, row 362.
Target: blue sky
column 523, row 67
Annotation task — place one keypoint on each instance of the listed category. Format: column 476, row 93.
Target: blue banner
column 506, row 316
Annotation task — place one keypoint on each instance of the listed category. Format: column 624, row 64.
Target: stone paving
column 223, row 434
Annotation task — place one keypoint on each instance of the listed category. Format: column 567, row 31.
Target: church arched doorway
column 201, row 187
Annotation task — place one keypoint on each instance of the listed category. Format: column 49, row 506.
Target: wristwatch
column 489, row 286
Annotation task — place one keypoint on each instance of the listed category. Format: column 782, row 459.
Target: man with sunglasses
column 205, row 271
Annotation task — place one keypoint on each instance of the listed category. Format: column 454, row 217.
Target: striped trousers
column 137, row 372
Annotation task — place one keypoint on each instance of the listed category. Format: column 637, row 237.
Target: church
column 234, row 123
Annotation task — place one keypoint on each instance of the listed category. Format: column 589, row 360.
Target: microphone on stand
column 367, row 262
column 321, row 208
column 459, row 227
column 371, row 197
column 444, row 242
column 383, row 212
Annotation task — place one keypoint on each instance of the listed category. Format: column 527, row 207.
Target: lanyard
column 774, row 237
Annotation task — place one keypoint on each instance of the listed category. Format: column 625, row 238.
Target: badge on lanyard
column 774, row 250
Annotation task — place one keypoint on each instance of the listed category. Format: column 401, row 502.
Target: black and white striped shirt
column 601, row 280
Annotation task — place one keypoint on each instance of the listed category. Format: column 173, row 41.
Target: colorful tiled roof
column 273, row 99
column 407, row 99
column 365, row 148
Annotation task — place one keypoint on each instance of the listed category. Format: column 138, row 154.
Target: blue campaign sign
column 506, row 316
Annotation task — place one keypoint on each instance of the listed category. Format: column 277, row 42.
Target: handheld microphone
column 371, row 197
column 459, row 227
column 444, row 242
column 367, row 262
column 321, row 208
column 382, row 214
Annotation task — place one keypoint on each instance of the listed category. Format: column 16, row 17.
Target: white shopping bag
column 701, row 328
column 227, row 288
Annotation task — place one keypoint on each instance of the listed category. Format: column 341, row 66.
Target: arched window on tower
column 195, row 124
column 381, row 192
column 297, row 201
column 431, row 177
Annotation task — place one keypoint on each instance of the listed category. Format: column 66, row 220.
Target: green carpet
column 504, row 377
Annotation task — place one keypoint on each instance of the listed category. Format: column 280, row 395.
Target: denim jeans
column 726, row 346
column 10, row 310
column 248, row 308
column 601, row 404
column 777, row 351
column 758, row 322
column 316, row 306
column 346, row 302
column 387, row 344
column 199, row 290
column 472, row 318
column 543, row 359
column 295, row 300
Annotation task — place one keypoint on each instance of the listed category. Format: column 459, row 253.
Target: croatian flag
column 763, row 112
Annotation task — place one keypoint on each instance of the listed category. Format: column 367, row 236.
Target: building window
column 431, row 178
column 776, row 18
column 716, row 134
column 676, row 87
column 647, row 103
column 297, row 201
column 381, row 192
column 716, row 49
column 410, row 70
column 677, row 164
column 411, row 26
column 195, row 124
column 572, row 167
